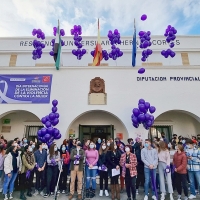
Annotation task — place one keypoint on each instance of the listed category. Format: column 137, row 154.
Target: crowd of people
column 148, row 164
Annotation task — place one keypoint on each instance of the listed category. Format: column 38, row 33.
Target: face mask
column 78, row 148
column 25, row 141
column 146, row 145
column 99, row 141
column 176, row 148
column 183, row 141
column 103, row 147
column 55, row 148
column 108, row 144
column 33, row 146
column 43, row 146
column 115, row 147
column 63, row 148
column 127, row 149
column 15, row 144
column 169, row 145
column 91, row 146
column 30, row 149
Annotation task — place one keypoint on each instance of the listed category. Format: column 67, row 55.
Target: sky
column 20, row 17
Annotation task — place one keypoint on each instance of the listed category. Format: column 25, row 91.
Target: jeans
column 40, row 180
column 9, row 181
column 103, row 176
column 192, row 177
column 147, row 175
column 181, row 181
column 1, row 179
column 91, row 174
column 161, row 168
column 130, row 186
column 52, row 175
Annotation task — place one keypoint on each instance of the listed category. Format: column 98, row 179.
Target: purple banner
column 26, row 88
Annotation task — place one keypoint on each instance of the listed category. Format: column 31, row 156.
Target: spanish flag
column 98, row 51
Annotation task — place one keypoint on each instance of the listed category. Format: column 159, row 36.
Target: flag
column 98, row 51
column 57, row 48
column 134, row 51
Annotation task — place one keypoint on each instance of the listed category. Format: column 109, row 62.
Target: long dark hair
column 103, row 150
column 51, row 150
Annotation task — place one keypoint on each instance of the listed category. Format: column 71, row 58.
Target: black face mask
column 163, row 136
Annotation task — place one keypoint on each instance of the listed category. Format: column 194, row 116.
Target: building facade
column 172, row 85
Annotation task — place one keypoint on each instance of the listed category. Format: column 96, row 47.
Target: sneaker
column 42, row 193
column 145, row 197
column 5, row 197
column 10, row 197
column 63, row 192
column 52, row 193
column 58, row 192
column 154, row 197
column 162, row 196
column 70, row 196
column 186, row 198
column 192, row 196
column 101, row 193
column 1, row 190
column 79, row 197
column 46, row 195
column 171, row 197
column 137, row 192
column 106, row 193
column 36, row 193
column 179, row 197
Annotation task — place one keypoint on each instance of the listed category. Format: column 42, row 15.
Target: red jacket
column 132, row 164
column 180, row 162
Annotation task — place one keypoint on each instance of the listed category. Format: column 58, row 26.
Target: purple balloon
column 144, row 17
column 43, row 131
column 151, row 117
column 141, row 101
column 172, row 54
column 135, row 125
column 84, row 51
column 136, row 112
column 58, row 136
column 134, row 120
column 72, row 31
column 142, row 108
column 147, row 105
column 57, row 115
column 51, row 116
column 48, row 124
column 39, row 133
column 149, row 123
column 54, row 102
column 44, row 120
column 141, row 33
column 50, row 130
column 147, row 116
column 152, row 109
column 55, row 132
column 54, row 109
column 141, row 70
column 163, row 52
column 55, row 121
column 141, row 117
column 171, row 45
column 47, row 137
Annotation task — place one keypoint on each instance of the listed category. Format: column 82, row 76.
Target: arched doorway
column 178, row 122
column 19, row 123
column 97, row 123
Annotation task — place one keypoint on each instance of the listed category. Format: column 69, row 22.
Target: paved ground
column 64, row 197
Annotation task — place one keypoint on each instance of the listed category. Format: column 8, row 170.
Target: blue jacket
column 40, row 158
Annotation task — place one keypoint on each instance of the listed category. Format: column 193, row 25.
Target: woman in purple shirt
column 92, row 157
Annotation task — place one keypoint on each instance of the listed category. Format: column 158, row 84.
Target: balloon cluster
column 114, row 38
column 141, row 116
column 62, row 33
column 104, row 54
column 170, row 34
column 48, row 133
column 38, row 46
column 76, row 32
column 145, row 42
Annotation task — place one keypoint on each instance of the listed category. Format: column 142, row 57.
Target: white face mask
column 15, row 144
column 103, row 147
column 55, row 148
column 108, row 144
column 30, row 149
column 169, row 145
column 127, row 149
column 115, row 147
column 91, row 146
column 176, row 147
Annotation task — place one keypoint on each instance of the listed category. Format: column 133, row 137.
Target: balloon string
column 116, row 62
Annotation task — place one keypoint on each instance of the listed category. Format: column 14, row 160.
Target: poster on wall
column 25, row 88
column 120, row 136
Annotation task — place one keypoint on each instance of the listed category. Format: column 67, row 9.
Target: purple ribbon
column 77, row 158
column 37, row 166
column 53, row 162
column 28, row 173
column 172, row 168
column 153, row 181
column 103, row 167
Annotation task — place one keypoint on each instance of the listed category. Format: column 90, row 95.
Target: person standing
column 128, row 162
column 40, row 159
column 12, row 165
column 92, row 158
column 193, row 166
column 149, row 157
column 2, row 154
column 164, row 170
column 180, row 163
column 53, row 162
column 98, row 144
column 64, row 154
column 103, row 170
column 112, row 159
column 27, row 172
column 121, row 151
column 77, row 156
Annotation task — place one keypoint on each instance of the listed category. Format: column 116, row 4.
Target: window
column 155, row 131
column 31, row 132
